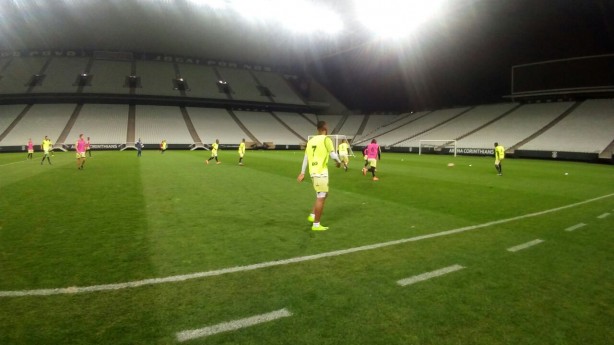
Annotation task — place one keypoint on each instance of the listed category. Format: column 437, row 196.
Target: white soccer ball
column 566, row 173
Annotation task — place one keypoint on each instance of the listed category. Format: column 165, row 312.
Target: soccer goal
column 438, row 144
column 337, row 139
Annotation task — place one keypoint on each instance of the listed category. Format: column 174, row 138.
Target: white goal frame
column 337, row 139
column 444, row 143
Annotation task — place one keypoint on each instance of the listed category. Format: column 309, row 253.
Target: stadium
column 138, row 244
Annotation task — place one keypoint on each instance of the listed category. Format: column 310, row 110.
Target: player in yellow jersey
column 241, row 151
column 214, row 147
column 163, row 146
column 318, row 149
column 499, row 156
column 46, row 146
column 344, row 153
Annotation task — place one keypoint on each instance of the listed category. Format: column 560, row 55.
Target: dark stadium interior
column 464, row 58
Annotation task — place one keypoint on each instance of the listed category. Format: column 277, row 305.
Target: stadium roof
column 463, row 56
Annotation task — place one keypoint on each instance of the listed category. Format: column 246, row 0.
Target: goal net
column 338, row 139
column 438, row 145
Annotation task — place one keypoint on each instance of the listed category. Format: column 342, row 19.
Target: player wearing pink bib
column 30, row 148
column 373, row 154
column 80, row 148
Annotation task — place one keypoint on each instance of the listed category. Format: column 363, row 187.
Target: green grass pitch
column 126, row 219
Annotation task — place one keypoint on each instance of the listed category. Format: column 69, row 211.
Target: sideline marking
column 2, row 165
column 524, row 245
column 604, row 215
column 429, row 275
column 184, row 277
column 575, row 227
column 232, row 325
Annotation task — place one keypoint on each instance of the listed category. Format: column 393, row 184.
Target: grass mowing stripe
column 605, row 215
column 232, row 325
column 575, row 227
column 429, row 275
column 524, row 245
column 183, row 277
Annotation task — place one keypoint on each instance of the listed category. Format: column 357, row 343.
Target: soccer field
column 165, row 249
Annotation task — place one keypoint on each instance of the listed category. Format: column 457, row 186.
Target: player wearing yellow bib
column 46, row 146
column 344, row 153
column 318, row 149
column 499, row 156
column 163, row 146
column 214, row 148
column 241, row 151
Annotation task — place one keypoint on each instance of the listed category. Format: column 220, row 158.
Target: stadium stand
column 279, row 87
column 18, row 73
column 244, row 86
column 156, row 78
column 214, row 123
column 8, row 114
column 155, row 123
column 589, row 128
column 41, row 120
column 463, row 124
column 266, row 128
column 298, row 123
column 351, row 125
column 201, row 80
column 103, row 123
column 313, row 118
column 109, row 77
column 331, row 120
column 516, row 126
column 61, row 75
column 375, row 125
column 420, row 125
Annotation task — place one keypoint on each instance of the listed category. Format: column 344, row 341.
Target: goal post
column 437, row 143
column 337, row 139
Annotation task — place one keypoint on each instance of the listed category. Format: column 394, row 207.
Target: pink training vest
column 30, row 145
column 81, row 146
column 372, row 151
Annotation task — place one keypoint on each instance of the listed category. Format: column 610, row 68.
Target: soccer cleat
column 310, row 218
column 207, row 161
column 319, row 228
column 218, row 163
column 375, row 178
column 364, row 171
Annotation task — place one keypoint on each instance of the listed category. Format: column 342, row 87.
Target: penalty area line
column 524, row 245
column 232, row 325
column 575, row 227
column 184, row 277
column 429, row 275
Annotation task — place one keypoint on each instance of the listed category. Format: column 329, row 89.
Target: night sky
column 466, row 58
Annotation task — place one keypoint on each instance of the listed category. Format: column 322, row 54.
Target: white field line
column 184, row 277
column 524, row 245
column 575, row 227
column 429, row 275
column 605, row 215
column 232, row 325
column 3, row 165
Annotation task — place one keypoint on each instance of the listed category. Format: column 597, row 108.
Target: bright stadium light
column 294, row 15
column 213, row 4
column 396, row 18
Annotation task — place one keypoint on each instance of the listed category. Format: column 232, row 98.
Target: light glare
column 396, row 18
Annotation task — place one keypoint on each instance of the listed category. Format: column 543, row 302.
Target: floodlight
column 396, row 18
